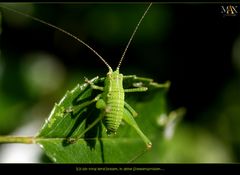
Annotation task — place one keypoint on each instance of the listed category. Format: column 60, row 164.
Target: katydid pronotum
column 111, row 99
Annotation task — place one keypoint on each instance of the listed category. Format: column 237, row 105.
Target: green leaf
column 95, row 146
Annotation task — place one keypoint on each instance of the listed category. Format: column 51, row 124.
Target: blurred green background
column 195, row 46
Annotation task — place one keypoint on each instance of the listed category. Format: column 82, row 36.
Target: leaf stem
column 16, row 139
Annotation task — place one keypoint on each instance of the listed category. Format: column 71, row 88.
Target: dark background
column 189, row 44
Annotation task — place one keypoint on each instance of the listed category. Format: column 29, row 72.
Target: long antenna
column 139, row 22
column 64, row 31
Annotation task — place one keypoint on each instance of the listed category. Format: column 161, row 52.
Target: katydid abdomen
column 113, row 96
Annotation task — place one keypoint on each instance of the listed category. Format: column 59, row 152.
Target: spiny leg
column 147, row 82
column 93, row 85
column 128, row 118
column 138, row 78
column 82, row 105
column 138, row 83
column 139, row 89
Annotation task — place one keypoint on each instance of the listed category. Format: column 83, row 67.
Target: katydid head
column 114, row 75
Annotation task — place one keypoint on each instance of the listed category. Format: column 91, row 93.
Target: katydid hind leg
column 130, row 109
column 128, row 118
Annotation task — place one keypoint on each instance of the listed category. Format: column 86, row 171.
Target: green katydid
column 111, row 100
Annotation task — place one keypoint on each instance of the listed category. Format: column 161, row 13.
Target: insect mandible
column 111, row 102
